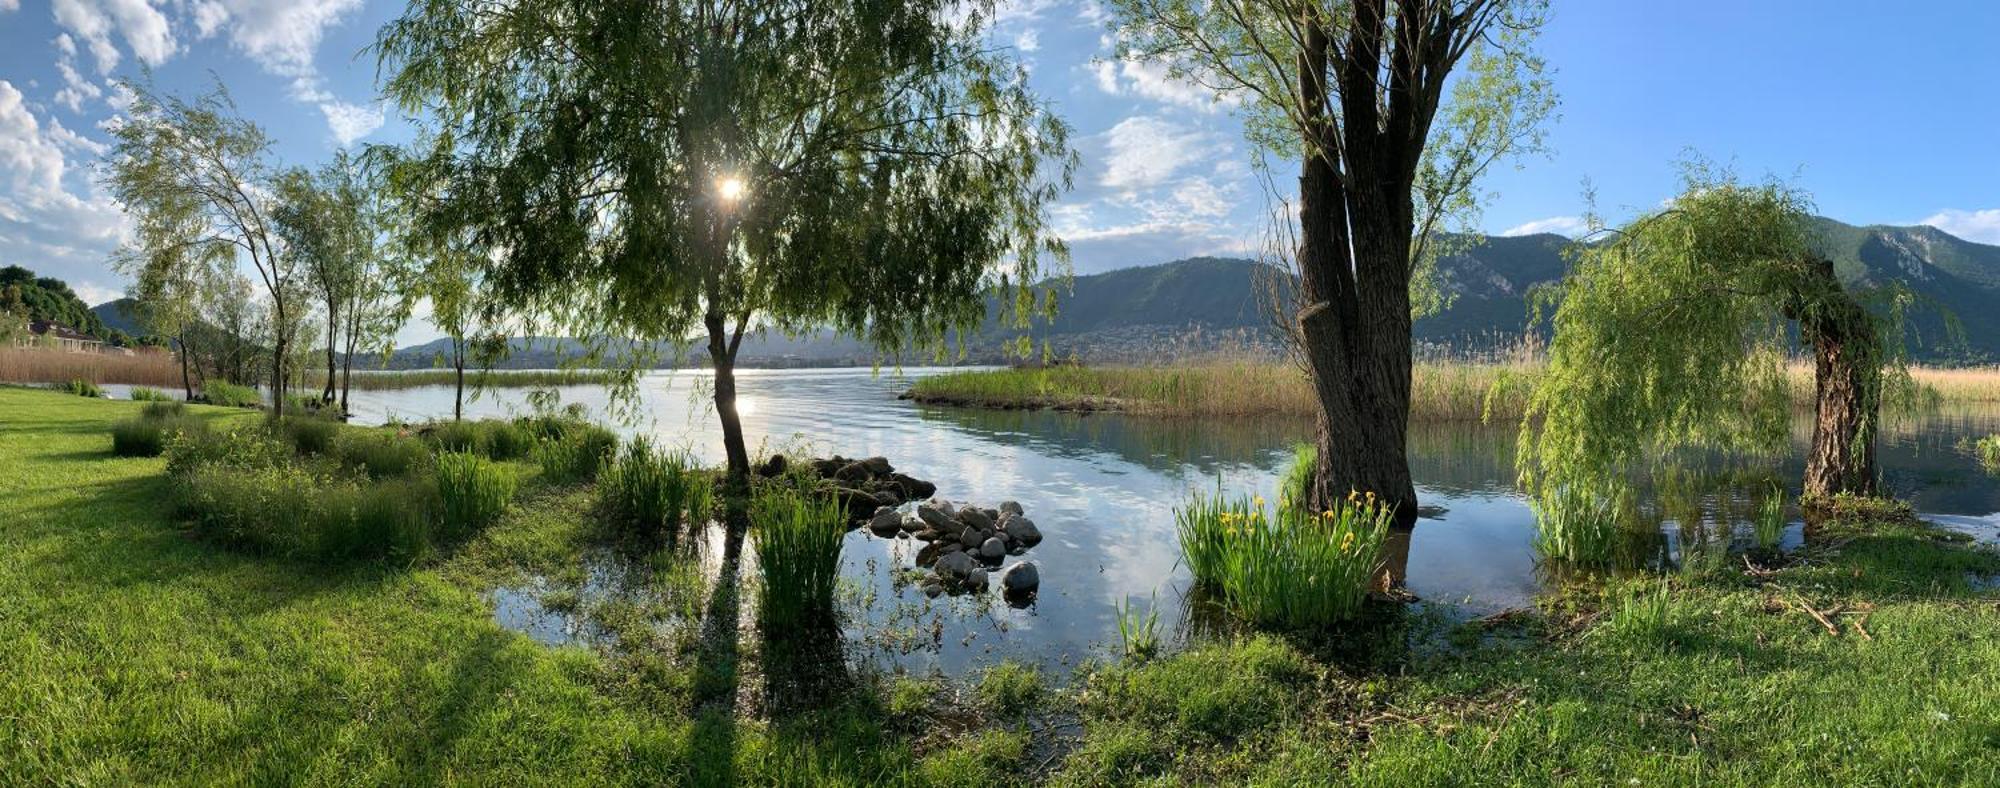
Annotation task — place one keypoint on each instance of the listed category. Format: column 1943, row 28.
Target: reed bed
column 1445, row 390
column 652, row 493
column 1286, row 567
column 378, row 380
column 39, row 365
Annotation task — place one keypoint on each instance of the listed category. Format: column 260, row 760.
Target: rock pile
column 862, row 486
column 965, row 543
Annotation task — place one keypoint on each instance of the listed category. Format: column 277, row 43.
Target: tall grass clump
column 798, row 554
column 308, row 434
column 384, row 520
column 230, row 395
column 272, row 509
column 472, row 493
column 147, row 434
column 1988, row 449
column 1296, row 486
column 1285, row 568
column 497, row 439
column 149, row 394
column 1577, row 525
column 1770, row 524
column 575, row 454
column 81, row 388
column 652, row 493
column 381, row 454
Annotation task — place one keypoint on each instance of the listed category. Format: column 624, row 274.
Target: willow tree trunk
column 332, row 353
column 187, row 379
column 1847, row 396
column 722, row 356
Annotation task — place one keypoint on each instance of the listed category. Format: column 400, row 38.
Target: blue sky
column 1886, row 113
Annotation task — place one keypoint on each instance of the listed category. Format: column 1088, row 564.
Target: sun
column 731, row 188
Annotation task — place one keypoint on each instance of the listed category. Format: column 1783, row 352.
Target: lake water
column 1103, row 489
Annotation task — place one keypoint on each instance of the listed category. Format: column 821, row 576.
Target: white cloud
column 1982, row 226
column 76, row 89
column 52, row 220
column 1028, row 40
column 1150, row 80
column 142, row 26
column 9, row 5
column 1143, row 151
column 350, row 122
column 1571, row 226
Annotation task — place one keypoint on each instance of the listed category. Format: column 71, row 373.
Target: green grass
column 132, row 654
column 149, row 394
column 798, row 536
column 575, row 454
column 1284, row 567
column 230, row 395
column 472, row 493
column 652, row 494
column 1988, row 449
column 148, row 434
column 1579, row 526
column 80, row 387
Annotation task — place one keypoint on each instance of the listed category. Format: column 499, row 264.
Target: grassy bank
column 1439, row 391
column 131, row 652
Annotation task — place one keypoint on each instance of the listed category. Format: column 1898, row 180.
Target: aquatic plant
column 387, row 519
column 498, row 439
column 798, row 534
column 1577, row 524
column 149, row 394
column 1138, row 635
column 652, row 493
column 380, row 453
column 472, row 493
column 1287, row 567
column 575, row 453
column 1988, row 449
column 1770, row 523
column 226, row 394
column 1010, row 687
column 81, row 388
column 1296, row 486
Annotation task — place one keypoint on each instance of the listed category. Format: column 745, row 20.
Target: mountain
column 120, row 315
column 1206, row 303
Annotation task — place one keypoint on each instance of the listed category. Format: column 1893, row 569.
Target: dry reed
column 36, row 365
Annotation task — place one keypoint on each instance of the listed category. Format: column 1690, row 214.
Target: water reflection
column 1103, row 489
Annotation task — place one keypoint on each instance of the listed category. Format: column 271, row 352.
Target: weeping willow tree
column 689, row 170
column 1674, row 333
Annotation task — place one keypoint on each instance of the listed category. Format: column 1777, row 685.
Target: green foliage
column 380, row 453
column 1672, row 334
column 1288, row 568
column 230, row 395
column 81, row 388
column 498, row 439
column 575, row 454
column 1212, row 693
column 472, row 493
column 148, row 434
column 1988, row 450
column 46, row 298
column 149, row 394
column 237, row 447
column 1138, row 633
column 308, row 434
column 651, row 493
column 267, row 508
column 1010, row 687
column 799, row 533
column 362, row 521
column 1771, row 522
column 1579, row 524
column 1295, row 488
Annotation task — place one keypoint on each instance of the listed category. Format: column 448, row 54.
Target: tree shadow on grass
column 713, row 742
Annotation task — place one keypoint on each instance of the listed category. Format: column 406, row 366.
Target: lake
column 1103, row 489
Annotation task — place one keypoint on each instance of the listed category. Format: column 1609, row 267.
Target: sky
column 1885, row 113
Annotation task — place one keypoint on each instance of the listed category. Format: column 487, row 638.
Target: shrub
column 506, row 440
column 230, row 395
column 472, row 493
column 81, row 388
column 457, row 436
column 308, row 434
column 146, row 435
column 270, row 509
column 1289, row 567
column 372, row 521
column 653, row 493
column 242, row 447
column 492, row 438
column 575, row 454
column 379, row 453
column 162, row 409
column 149, row 394
column 798, row 554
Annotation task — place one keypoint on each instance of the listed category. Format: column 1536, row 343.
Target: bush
column 146, row 435
column 506, row 440
column 492, row 438
column 379, row 453
column 457, row 436
column 308, row 434
column 575, row 454
column 373, row 521
column 268, row 509
column 149, row 394
column 798, row 554
column 652, row 493
column 1290, row 568
column 81, row 388
column 163, row 409
column 230, row 395
column 472, row 493
column 240, row 448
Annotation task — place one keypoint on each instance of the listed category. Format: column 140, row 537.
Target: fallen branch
column 1817, row 616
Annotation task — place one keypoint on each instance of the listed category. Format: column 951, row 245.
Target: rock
column 948, row 546
column 974, row 518
column 859, row 504
column 955, row 566
column 943, row 505
column 773, row 467
column 977, row 580
column 971, row 538
column 912, row 524
column 886, row 522
column 1021, row 578
column 1012, row 507
column 938, row 518
column 913, row 488
column 1022, row 530
column 925, row 535
column 928, row 555
column 932, row 588
column 992, row 515
column 877, row 466
column 827, row 467
column 851, row 472
column 887, row 498
column 993, row 549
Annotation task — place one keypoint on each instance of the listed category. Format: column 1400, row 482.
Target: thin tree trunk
column 458, row 365
column 187, row 380
column 278, row 362
column 722, row 356
column 332, row 344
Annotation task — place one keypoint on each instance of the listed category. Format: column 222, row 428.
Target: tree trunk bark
column 1847, row 402
column 187, row 380
column 332, row 344
column 458, row 367
column 278, row 364
column 722, row 356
